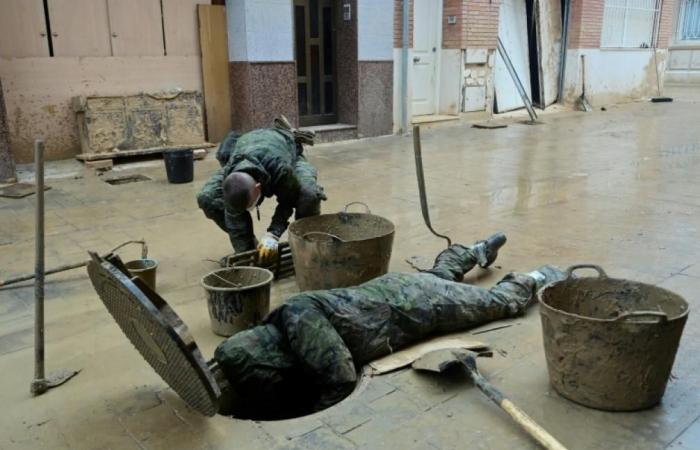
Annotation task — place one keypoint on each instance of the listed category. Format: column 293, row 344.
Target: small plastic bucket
column 237, row 297
column 179, row 165
column 145, row 269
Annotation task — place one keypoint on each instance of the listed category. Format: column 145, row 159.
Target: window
column 689, row 20
column 629, row 23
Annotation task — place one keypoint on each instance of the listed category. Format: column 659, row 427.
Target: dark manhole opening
column 289, row 397
column 124, row 179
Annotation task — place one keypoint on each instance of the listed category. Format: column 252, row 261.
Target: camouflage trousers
column 239, row 226
column 316, row 341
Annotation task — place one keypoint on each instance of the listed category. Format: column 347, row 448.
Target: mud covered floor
column 616, row 188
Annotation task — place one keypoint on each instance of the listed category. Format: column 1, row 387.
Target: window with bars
column 689, row 20
column 629, row 23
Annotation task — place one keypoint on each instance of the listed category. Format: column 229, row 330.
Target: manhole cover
column 124, row 179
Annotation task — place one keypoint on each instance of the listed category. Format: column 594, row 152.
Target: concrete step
column 333, row 132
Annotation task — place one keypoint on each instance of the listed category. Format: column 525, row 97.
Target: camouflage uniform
column 316, row 341
column 272, row 157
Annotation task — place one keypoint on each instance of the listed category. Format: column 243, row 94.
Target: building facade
column 684, row 53
column 335, row 65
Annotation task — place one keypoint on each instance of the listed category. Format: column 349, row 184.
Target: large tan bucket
column 340, row 250
column 610, row 343
column 237, row 297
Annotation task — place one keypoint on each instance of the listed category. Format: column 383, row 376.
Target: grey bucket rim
column 343, row 213
column 143, row 269
column 270, row 277
column 617, row 319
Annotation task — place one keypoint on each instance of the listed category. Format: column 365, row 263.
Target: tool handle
column 526, row 422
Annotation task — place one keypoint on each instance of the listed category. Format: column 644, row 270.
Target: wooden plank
column 23, row 29
column 213, row 37
column 181, row 27
column 139, row 152
column 80, row 27
column 137, row 27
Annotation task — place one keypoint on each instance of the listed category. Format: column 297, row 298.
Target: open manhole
column 124, row 179
column 165, row 342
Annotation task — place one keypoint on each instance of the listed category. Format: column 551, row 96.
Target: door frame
column 438, row 58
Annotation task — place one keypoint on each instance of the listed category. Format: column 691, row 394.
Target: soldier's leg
column 211, row 199
column 239, row 226
column 453, row 263
column 463, row 306
column 311, row 194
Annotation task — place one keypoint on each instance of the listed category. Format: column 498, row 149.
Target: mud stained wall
column 614, row 76
column 7, row 165
column 38, row 93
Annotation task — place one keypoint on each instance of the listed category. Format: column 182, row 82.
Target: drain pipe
column 404, row 68
column 38, row 385
column 564, row 49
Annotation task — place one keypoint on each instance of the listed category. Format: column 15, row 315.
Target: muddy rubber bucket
column 340, row 250
column 237, row 297
column 610, row 343
column 179, row 165
column 145, row 269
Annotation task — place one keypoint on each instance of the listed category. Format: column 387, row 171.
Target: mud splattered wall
column 7, row 166
column 38, row 88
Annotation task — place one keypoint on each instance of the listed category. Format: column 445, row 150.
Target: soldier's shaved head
column 239, row 190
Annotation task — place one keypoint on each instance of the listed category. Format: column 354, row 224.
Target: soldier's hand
column 268, row 248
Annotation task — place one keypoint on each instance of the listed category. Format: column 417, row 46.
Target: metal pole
column 38, row 385
column 516, row 80
column 564, row 49
column 404, row 67
column 41, row 382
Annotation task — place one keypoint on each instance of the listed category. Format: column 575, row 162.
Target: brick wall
column 668, row 9
column 586, row 23
column 454, row 36
column 481, row 27
column 398, row 23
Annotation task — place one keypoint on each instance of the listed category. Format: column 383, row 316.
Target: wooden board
column 138, row 152
column 137, row 27
column 180, row 27
column 23, row 29
column 405, row 357
column 80, row 28
column 213, row 38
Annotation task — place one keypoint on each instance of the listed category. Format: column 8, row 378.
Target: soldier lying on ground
column 306, row 354
column 260, row 164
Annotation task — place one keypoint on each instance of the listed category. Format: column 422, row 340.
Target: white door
column 512, row 30
column 426, row 43
column 549, row 34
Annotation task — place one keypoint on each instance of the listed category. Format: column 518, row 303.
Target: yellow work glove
column 268, row 248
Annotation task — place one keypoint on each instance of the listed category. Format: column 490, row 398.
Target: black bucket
column 179, row 165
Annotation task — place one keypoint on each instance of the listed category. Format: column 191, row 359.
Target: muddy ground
column 618, row 188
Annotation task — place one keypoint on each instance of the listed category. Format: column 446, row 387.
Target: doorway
column 531, row 34
column 427, row 26
column 315, row 57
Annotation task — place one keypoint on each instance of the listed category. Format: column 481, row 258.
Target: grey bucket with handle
column 610, row 343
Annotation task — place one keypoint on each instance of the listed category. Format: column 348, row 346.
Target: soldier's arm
column 286, row 188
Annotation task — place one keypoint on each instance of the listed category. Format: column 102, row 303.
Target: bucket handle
column 367, row 210
column 333, row 237
column 571, row 269
column 663, row 318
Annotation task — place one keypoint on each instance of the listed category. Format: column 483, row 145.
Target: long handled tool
column 439, row 360
column 63, row 268
column 41, row 382
column 417, row 150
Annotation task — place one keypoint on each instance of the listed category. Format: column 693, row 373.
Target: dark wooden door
column 315, row 57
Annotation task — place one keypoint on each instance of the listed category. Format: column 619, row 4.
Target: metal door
column 315, row 58
column 512, row 30
column 426, row 42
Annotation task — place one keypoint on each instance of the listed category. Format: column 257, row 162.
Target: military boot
column 486, row 251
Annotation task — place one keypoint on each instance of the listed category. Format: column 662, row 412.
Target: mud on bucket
column 237, row 298
column 610, row 343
